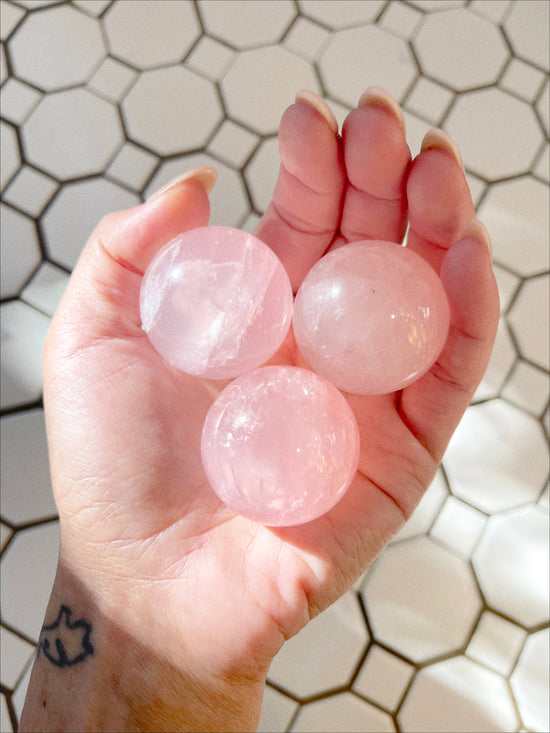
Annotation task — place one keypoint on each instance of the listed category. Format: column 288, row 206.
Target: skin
column 188, row 602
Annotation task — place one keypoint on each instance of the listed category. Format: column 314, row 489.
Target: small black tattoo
column 65, row 642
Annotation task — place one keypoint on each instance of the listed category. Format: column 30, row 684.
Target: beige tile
column 500, row 364
column 249, row 24
column 210, row 58
column 530, row 682
column 383, row 678
column 10, row 16
column 112, row 79
column 30, row 191
column 261, row 173
column 496, row 643
column 429, row 101
column 20, row 252
column 528, row 387
column 306, row 38
column 3, row 64
column 337, row 14
column 522, row 79
column 508, row 284
column 10, row 153
column 132, row 166
column 494, row 10
column 511, row 563
column 233, row 144
column 527, row 28
column 543, row 104
column 542, row 166
column 16, row 654
column 401, row 19
column 344, row 713
column 277, row 712
column 92, row 7
column 18, row 100
column 46, row 288
column 5, row 720
column 530, row 320
column 434, row 6
column 5, row 535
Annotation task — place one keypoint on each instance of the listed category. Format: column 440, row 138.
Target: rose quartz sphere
column 371, row 317
column 216, row 302
column 280, row 445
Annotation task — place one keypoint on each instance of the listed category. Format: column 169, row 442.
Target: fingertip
column 436, row 139
column 475, row 229
column 315, row 101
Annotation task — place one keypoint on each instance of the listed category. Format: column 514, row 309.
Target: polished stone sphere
column 216, row 302
column 280, row 445
column 371, row 317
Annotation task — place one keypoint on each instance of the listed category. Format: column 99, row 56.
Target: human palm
column 135, row 507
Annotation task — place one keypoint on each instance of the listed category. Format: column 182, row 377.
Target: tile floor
column 102, row 102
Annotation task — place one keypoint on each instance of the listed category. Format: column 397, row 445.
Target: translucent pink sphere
column 371, row 317
column 216, row 302
column 280, row 445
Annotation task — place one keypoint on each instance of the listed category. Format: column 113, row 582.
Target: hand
column 161, row 569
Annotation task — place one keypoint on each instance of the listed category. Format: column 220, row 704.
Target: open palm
column 124, row 427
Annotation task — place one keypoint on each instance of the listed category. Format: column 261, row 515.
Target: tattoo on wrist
column 65, row 643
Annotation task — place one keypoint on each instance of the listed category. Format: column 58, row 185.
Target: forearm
column 90, row 674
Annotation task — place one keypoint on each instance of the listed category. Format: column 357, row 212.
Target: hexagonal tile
column 23, row 331
column 344, row 713
column 57, row 48
column 324, row 654
column 511, row 563
column 530, row 320
column 10, row 16
column 228, row 201
column 306, row 38
column 171, row 110
column 20, row 252
column 412, row 598
column 383, row 678
column 72, row 133
column 261, row 173
column 146, row 33
column 504, row 440
column 530, row 682
column 26, row 487
column 341, row 13
column 75, row 212
column 526, row 26
column 28, row 571
column 277, row 711
column 496, row 643
column 244, row 25
column 458, row 695
column 497, row 134
column 366, row 56
column 460, row 49
column 262, row 83
column 516, row 214
column 11, row 159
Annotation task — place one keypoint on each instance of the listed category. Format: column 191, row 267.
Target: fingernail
column 475, row 229
column 437, row 138
column 379, row 96
column 304, row 95
column 206, row 175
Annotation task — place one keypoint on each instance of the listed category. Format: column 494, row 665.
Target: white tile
column 511, row 564
column 10, row 16
column 306, row 38
column 26, row 487
column 429, row 100
column 76, row 211
column 477, row 187
column 46, row 288
column 56, row 48
column 228, row 201
column 3, row 64
column 249, row 24
column 383, row 678
column 503, row 440
column 250, row 223
column 11, row 159
column 530, row 320
column 158, row 110
column 30, row 190
column 277, row 712
column 20, row 252
column 494, row 10
column 18, row 697
column 522, row 79
column 543, row 104
column 17, row 100
column 5, row 535
column 496, row 643
column 344, row 713
column 146, row 33
column 434, row 6
column 112, row 79
column 542, row 166
column 233, row 144
column 530, row 682
column 459, row 526
column 28, row 571
column 388, row 59
column 416, row 129
column 210, row 58
column 426, row 512
column 411, row 599
column 517, row 217
column 72, row 133
column 132, row 166
column 262, row 83
column 5, row 720
column 500, row 364
column 92, row 7
column 460, row 49
column 34, row 4
column 324, row 654
column 16, row 654
column 508, row 284
column 528, row 387
column 497, row 134
column 458, row 695
column 401, row 19
column 261, row 173
column 527, row 28
column 341, row 13
column 23, row 331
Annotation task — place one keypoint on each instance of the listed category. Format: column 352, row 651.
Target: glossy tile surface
column 103, row 102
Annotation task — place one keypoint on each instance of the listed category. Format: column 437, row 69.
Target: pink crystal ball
column 280, row 445
column 371, row 317
column 216, row 302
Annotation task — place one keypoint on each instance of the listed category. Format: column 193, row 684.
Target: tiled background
column 102, row 102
